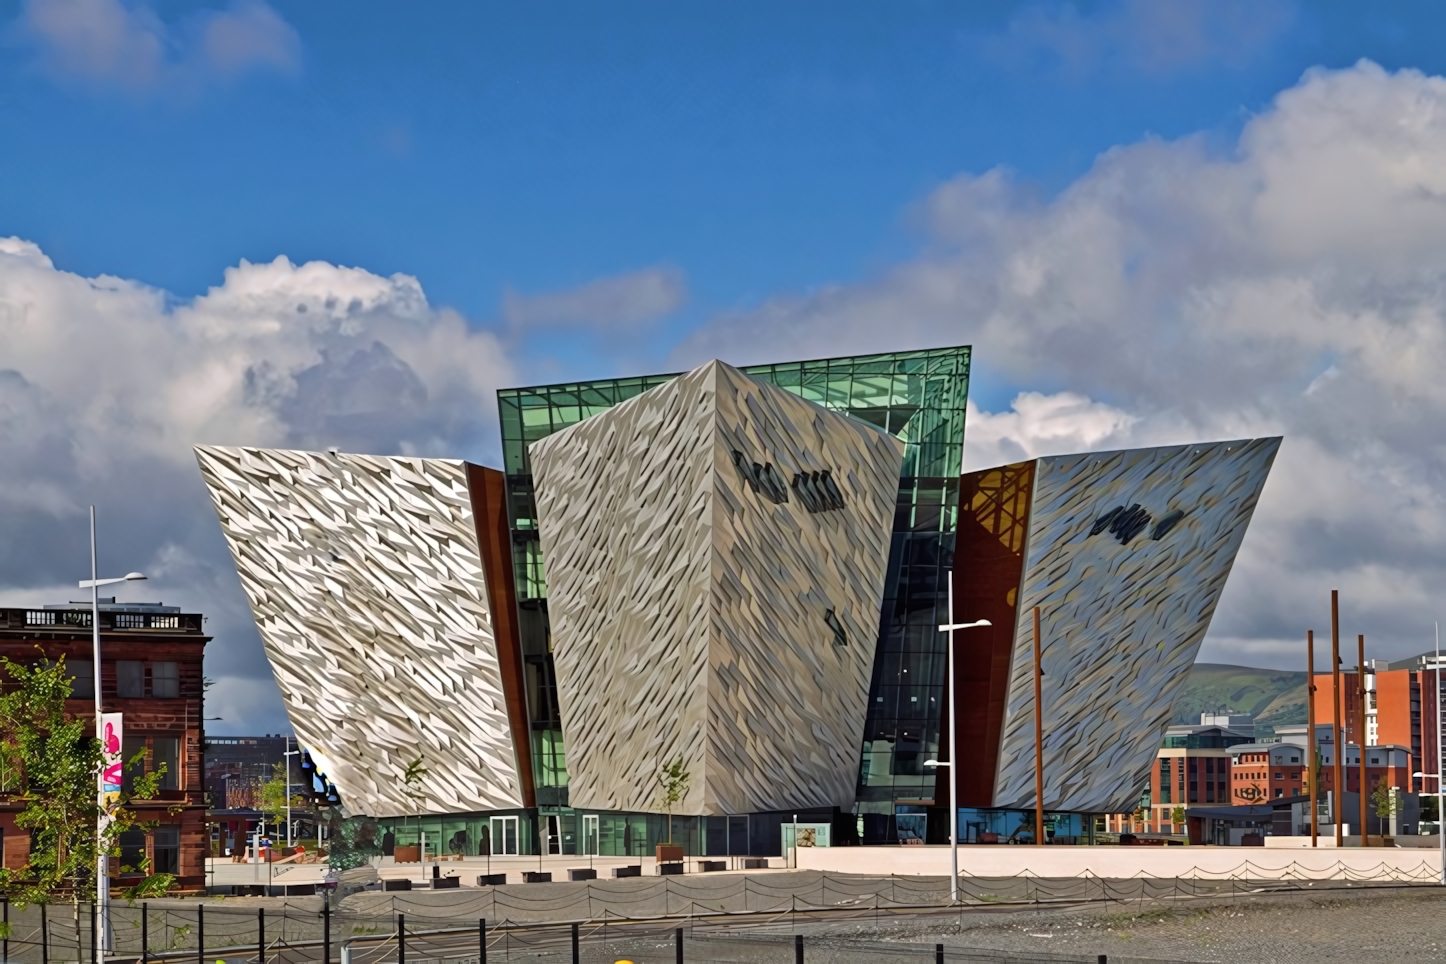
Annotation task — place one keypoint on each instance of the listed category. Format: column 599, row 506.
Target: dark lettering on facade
column 763, row 479
column 817, row 491
column 1124, row 524
column 1166, row 523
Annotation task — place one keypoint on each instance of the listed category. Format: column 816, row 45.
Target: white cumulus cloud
column 1293, row 284
column 106, row 383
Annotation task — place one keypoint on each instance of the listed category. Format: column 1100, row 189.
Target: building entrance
column 504, row 835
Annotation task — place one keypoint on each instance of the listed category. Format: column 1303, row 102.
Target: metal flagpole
column 1440, row 790
column 1311, row 768
column 1361, row 722
column 1337, row 797
column 1038, row 741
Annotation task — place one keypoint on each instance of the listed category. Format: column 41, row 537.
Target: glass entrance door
column 553, row 844
column 504, row 835
column 589, row 834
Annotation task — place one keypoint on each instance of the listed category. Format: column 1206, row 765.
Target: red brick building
column 1261, row 772
column 151, row 671
column 1400, row 710
column 1192, row 769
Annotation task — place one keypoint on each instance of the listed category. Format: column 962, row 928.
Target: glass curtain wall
column 919, row 397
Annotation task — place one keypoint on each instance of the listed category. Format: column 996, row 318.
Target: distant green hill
column 1274, row 697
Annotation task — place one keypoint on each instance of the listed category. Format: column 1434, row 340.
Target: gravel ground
column 1369, row 924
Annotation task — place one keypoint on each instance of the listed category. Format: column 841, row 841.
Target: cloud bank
column 105, row 384
column 1295, row 285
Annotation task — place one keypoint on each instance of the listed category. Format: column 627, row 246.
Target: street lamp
column 102, row 860
column 949, row 628
column 289, row 753
column 1440, row 788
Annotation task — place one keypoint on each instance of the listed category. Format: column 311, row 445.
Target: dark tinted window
column 130, row 678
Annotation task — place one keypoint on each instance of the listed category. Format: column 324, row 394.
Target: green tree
column 1387, row 802
column 673, row 778
column 50, row 764
column 273, row 795
column 1177, row 816
column 412, row 778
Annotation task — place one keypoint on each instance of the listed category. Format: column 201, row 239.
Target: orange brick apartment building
column 150, row 672
column 1400, row 711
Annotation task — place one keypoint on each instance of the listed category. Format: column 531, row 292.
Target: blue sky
column 758, row 148
column 315, row 224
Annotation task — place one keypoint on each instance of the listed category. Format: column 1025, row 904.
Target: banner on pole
column 112, row 765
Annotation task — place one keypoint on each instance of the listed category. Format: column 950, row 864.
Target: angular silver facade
column 366, row 579
column 1127, row 554
column 716, row 551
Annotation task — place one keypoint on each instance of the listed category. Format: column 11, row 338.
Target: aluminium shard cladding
column 716, row 551
column 367, row 583
column 1127, row 554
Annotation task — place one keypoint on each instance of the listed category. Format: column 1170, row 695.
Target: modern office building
column 382, row 593
column 1125, row 555
column 740, row 569
column 716, row 552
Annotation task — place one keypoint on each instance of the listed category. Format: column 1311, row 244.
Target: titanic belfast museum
column 738, row 573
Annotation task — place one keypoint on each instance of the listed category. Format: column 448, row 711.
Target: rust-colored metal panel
column 989, row 549
column 489, row 510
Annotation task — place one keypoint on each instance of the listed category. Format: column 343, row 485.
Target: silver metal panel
column 366, row 582
column 689, row 611
column 1123, row 613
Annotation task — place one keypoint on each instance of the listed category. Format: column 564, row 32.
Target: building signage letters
column 817, row 491
column 763, row 479
column 1251, row 793
column 1124, row 524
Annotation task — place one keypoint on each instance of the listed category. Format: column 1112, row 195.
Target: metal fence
column 735, row 919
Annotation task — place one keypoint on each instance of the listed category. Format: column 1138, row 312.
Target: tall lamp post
column 102, row 860
column 949, row 628
column 1440, row 788
column 286, row 758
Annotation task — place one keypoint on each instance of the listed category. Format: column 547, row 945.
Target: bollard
column 1104, row 959
column 401, row 939
column 575, row 956
column 5, row 943
column 939, row 952
column 679, row 937
column 482, row 940
column 200, row 934
column 261, row 933
column 326, row 930
column 145, row 933
column 797, row 949
column 45, row 938
column 93, row 934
